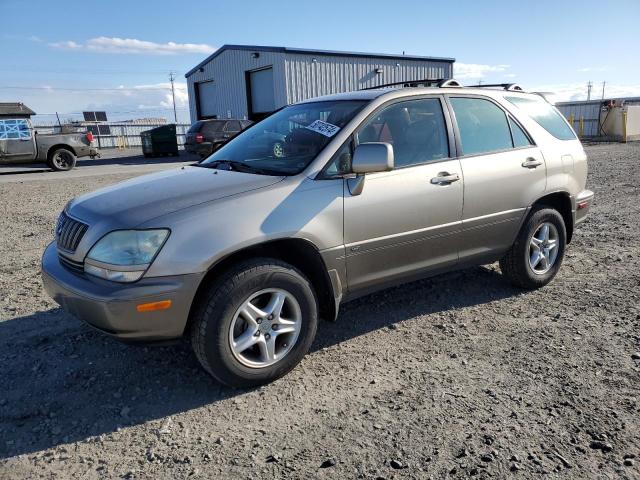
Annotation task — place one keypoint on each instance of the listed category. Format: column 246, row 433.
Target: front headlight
column 124, row 255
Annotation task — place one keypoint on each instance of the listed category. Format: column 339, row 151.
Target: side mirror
column 372, row 157
column 369, row 158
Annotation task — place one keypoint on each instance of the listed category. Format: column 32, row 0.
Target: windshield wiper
column 235, row 166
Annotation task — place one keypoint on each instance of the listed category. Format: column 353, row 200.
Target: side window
column 545, row 115
column 212, row 128
column 520, row 139
column 14, row 129
column 416, row 130
column 483, row 126
column 232, row 126
column 341, row 162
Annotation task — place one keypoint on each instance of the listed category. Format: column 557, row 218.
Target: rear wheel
column 536, row 256
column 61, row 160
column 255, row 324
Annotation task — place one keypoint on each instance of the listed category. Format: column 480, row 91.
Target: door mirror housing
column 372, row 157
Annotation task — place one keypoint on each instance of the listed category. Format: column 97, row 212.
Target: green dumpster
column 160, row 141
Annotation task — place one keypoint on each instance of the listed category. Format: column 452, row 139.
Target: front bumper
column 111, row 307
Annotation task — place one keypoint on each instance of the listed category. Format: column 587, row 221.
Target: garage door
column 262, row 97
column 207, row 100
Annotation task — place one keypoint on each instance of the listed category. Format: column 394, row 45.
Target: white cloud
column 476, row 70
column 66, row 45
column 121, row 102
column 578, row 91
column 133, row 46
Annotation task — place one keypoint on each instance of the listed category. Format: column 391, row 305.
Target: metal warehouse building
column 245, row 81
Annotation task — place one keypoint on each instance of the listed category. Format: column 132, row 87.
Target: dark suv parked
column 205, row 136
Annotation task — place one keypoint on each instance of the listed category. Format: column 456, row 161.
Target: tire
column 520, row 265
column 218, row 323
column 61, row 160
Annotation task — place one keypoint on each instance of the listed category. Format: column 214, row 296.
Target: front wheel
column 62, row 160
column 255, row 324
column 536, row 256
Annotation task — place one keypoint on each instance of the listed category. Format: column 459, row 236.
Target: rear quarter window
column 545, row 115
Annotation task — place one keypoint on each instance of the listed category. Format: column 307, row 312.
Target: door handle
column 445, row 178
column 531, row 163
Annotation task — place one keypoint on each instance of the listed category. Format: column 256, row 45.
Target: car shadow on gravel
column 62, row 382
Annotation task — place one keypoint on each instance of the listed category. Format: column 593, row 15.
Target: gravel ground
column 460, row 375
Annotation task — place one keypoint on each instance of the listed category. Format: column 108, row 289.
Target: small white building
column 248, row 81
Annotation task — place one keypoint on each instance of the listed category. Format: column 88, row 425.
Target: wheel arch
column 560, row 201
column 298, row 252
column 55, row 147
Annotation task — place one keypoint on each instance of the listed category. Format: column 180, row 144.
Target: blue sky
column 116, row 55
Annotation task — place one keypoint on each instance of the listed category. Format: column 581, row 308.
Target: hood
column 141, row 199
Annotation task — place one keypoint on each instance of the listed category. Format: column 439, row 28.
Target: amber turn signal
column 154, row 306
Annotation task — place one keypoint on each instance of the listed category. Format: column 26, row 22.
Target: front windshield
column 287, row 141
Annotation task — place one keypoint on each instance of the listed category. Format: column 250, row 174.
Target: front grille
column 69, row 232
column 76, row 267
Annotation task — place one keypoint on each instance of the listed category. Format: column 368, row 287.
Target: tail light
column 199, row 138
column 89, row 137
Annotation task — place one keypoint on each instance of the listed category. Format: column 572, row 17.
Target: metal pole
column 603, row 84
column 589, row 87
column 59, row 124
column 173, row 95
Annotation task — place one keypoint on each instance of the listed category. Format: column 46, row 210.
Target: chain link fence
column 113, row 134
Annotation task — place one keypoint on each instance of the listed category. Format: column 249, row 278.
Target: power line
column 123, row 89
column 151, row 110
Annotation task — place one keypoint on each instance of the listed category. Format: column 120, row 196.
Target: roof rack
column 511, row 87
column 440, row 82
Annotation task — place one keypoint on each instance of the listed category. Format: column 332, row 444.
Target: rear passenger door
column 504, row 173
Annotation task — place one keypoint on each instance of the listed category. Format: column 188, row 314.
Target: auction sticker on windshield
column 324, row 128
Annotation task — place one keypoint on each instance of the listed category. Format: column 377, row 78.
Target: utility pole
column 589, row 87
column 173, row 95
column 603, row 84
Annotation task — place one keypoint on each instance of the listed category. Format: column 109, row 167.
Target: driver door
column 405, row 222
column 17, row 143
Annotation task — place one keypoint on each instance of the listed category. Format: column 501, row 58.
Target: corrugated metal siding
column 307, row 79
column 228, row 72
column 589, row 112
column 297, row 77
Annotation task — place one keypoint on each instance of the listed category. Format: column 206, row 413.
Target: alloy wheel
column 543, row 248
column 265, row 328
column 278, row 150
column 62, row 160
